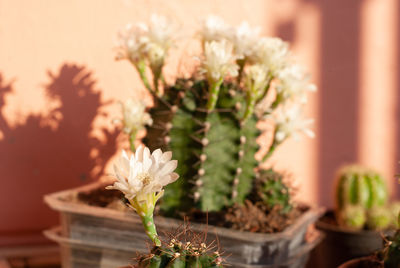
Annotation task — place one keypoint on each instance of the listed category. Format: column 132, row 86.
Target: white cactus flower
column 215, row 29
column 218, row 61
column 159, row 38
column 142, row 176
column 131, row 44
column 134, row 115
column 293, row 83
column 245, row 39
column 272, row 52
column 288, row 122
column 257, row 78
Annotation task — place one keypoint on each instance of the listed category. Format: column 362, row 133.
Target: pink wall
column 58, row 77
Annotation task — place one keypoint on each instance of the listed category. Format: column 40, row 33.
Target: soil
column 252, row 216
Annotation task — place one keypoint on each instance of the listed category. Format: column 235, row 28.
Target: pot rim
column 60, row 201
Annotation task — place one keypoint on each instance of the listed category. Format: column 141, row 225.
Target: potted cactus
column 361, row 213
column 209, row 120
column 388, row 257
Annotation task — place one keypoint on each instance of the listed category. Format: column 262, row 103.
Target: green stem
column 214, row 92
column 141, row 68
column 272, row 149
column 132, row 139
column 148, row 224
column 251, row 103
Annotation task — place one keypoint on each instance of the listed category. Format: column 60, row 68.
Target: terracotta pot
column 113, row 236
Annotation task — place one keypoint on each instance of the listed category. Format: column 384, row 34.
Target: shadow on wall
column 50, row 153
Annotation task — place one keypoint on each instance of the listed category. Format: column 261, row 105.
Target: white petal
column 139, row 153
column 168, row 168
column 166, row 157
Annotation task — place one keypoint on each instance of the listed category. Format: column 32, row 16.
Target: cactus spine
column 360, row 188
column 178, row 254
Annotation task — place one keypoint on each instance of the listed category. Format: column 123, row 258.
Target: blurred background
column 60, row 86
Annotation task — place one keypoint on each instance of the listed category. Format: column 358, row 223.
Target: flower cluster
column 263, row 67
column 147, row 43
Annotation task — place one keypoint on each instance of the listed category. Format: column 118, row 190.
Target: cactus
column 178, row 254
column 216, row 149
column 209, row 121
column 360, row 187
column 352, row 216
column 378, row 218
column 271, row 188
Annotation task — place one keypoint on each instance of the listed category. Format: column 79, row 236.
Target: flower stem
column 214, row 92
column 148, row 224
column 251, row 103
column 141, row 68
column 132, row 139
column 271, row 150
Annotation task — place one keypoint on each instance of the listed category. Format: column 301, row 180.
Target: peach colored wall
column 58, row 77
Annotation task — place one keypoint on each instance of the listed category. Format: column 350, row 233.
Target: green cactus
column 215, row 149
column 352, row 216
column 177, row 254
column 273, row 191
column 356, row 185
column 378, row 218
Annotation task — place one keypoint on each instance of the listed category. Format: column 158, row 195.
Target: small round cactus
column 379, row 218
column 358, row 189
column 273, row 191
column 178, row 254
column 352, row 216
